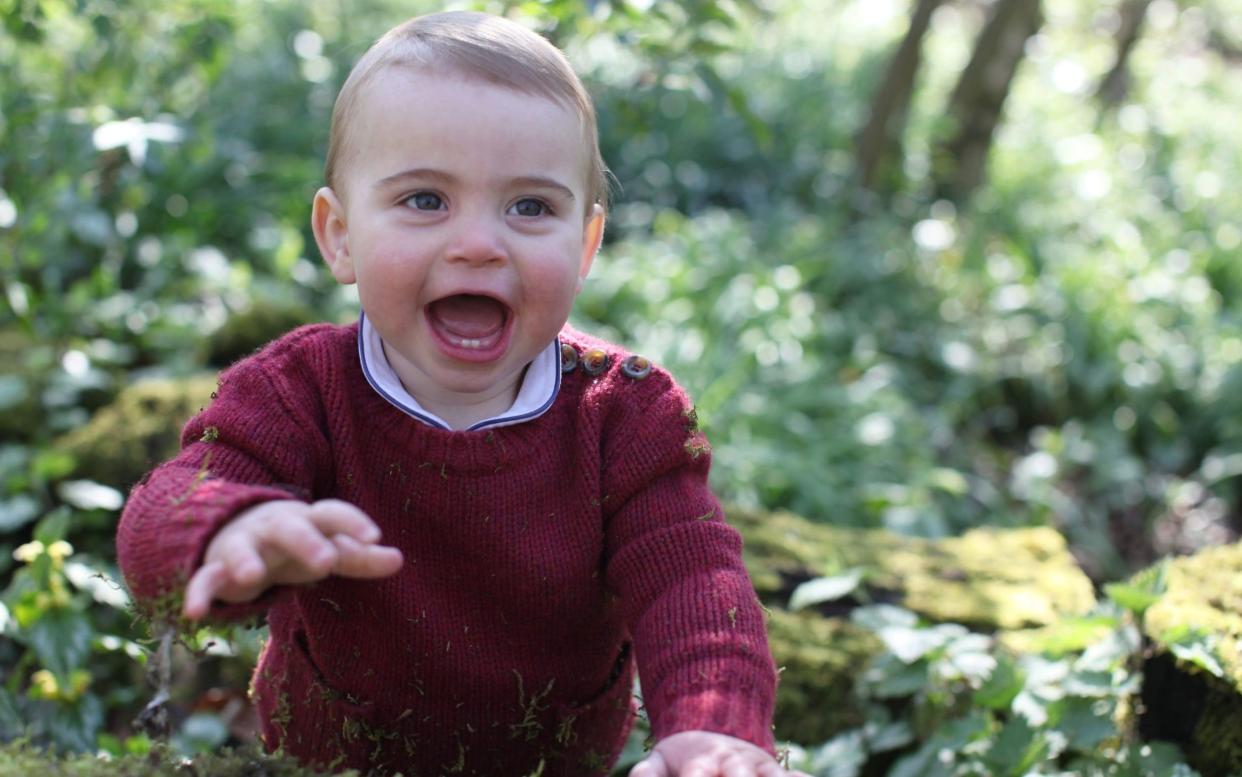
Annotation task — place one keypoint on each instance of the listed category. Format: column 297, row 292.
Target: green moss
column 818, row 660
column 1204, row 593
column 251, row 329
column 987, row 579
column 138, row 430
column 18, row 759
column 993, row 580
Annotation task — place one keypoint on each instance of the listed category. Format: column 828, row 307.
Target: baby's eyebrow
column 418, row 173
column 540, row 182
column 443, row 177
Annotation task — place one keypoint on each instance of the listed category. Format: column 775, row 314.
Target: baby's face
column 463, row 226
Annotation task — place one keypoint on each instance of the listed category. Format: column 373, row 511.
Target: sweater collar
column 539, row 387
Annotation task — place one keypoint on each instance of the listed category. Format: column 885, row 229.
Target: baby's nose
column 478, row 241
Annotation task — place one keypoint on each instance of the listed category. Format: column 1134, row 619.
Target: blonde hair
column 491, row 48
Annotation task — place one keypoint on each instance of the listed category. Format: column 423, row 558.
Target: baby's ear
column 332, row 234
column 592, row 236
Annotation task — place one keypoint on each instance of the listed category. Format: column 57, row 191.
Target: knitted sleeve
column 698, row 628
column 259, row 440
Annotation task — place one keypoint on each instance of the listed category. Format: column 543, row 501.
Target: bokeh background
column 925, row 265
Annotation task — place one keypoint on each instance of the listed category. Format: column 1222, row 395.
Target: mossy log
column 1183, row 703
column 141, row 428
column 989, row 579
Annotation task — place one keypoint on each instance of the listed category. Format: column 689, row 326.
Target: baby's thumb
column 651, row 766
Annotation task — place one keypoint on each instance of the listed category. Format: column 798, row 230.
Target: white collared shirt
column 539, row 387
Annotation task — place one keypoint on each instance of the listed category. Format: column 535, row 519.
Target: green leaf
column 1092, row 684
column 75, row 726
column 1016, row 749
column 938, row 754
column 842, row 756
column 878, row 616
column 11, row 725
column 1085, row 723
column 1070, row 635
column 825, row 589
column 892, row 736
column 1002, row 686
column 13, row 391
column 17, row 512
column 910, row 645
column 890, row 678
column 61, row 640
column 53, row 527
column 1142, row 591
column 948, row 480
column 1195, row 647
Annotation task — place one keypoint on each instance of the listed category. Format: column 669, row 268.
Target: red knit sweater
column 536, row 556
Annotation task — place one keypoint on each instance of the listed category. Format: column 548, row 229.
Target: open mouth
column 470, row 326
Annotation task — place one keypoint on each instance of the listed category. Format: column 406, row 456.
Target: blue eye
column 425, row 201
column 530, row 207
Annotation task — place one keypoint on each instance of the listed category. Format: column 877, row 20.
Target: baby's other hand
column 287, row 541
column 706, row 754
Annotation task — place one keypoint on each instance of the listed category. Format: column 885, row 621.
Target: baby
column 542, row 499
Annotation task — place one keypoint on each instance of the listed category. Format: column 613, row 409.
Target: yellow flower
column 43, row 685
column 28, row 552
column 59, row 550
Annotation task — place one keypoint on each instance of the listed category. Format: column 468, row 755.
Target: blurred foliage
column 1066, row 350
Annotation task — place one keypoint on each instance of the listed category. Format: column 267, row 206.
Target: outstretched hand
column 287, row 542
column 706, row 754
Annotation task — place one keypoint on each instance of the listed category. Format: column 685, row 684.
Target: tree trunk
column 974, row 108
column 880, row 140
column 1114, row 86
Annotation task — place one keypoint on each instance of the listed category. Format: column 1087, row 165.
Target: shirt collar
column 539, row 386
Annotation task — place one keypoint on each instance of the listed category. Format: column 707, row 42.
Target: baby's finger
column 202, row 589
column 702, row 766
column 651, row 766
column 364, row 561
column 300, row 547
column 335, row 516
column 736, row 765
column 242, row 563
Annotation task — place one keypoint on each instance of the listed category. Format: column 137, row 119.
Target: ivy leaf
column 824, row 589
column 61, row 639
